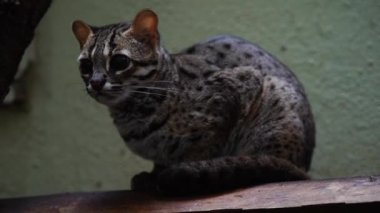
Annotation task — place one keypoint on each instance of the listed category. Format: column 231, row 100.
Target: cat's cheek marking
column 93, row 52
column 82, row 56
column 143, row 71
column 107, row 86
column 119, row 72
column 125, row 52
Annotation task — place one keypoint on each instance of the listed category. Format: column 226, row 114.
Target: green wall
column 62, row 141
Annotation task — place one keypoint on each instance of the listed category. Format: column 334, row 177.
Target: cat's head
column 114, row 57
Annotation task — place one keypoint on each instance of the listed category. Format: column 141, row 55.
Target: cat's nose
column 97, row 82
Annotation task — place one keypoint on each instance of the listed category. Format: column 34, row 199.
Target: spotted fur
column 223, row 113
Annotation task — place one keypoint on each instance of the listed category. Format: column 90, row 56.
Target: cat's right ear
column 144, row 27
column 81, row 31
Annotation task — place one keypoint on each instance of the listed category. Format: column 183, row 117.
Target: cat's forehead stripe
column 106, row 49
column 111, row 42
column 103, row 42
column 92, row 54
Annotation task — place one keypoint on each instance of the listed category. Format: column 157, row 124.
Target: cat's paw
column 179, row 180
column 144, row 181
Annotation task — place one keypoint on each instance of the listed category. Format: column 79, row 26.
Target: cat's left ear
column 81, row 31
column 144, row 27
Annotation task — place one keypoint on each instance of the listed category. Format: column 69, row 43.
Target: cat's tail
column 226, row 173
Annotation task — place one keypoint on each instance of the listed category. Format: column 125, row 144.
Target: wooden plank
column 360, row 192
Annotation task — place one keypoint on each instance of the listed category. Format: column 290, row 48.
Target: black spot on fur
column 250, row 96
column 221, row 55
column 183, row 110
column 172, row 60
column 191, row 50
column 279, row 152
column 210, row 47
column 276, row 102
column 243, row 77
column 208, row 97
column 195, row 137
column 187, row 73
column 259, row 67
column 272, row 87
column 260, row 53
column 271, row 139
column 293, row 136
column 227, row 46
column 208, row 83
column 207, row 73
column 174, row 146
column 247, row 55
column 219, row 80
column 209, row 62
column 199, row 88
column 292, row 106
column 280, row 109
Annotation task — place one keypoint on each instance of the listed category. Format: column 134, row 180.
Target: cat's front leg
column 225, row 173
column 146, row 181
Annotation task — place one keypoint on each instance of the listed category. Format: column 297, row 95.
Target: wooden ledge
column 361, row 193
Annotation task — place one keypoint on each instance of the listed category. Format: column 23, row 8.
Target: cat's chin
column 110, row 100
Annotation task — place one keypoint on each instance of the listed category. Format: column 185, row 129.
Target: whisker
column 162, row 82
column 148, row 93
column 157, row 82
column 114, row 92
column 156, row 88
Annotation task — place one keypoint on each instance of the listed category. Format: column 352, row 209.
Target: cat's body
column 223, row 113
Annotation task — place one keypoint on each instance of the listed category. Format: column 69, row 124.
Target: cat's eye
column 85, row 66
column 119, row 62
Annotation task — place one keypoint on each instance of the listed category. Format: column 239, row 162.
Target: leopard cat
column 220, row 115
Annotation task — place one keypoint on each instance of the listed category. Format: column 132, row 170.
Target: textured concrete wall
column 64, row 141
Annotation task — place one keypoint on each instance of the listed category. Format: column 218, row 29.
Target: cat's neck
column 159, row 90
column 166, row 66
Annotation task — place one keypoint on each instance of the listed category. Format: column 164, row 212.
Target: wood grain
column 355, row 193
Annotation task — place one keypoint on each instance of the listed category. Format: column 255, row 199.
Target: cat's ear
column 144, row 27
column 81, row 31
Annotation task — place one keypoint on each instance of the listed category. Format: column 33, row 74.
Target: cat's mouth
column 102, row 94
column 109, row 97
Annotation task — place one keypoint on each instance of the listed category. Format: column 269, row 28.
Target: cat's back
column 227, row 51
